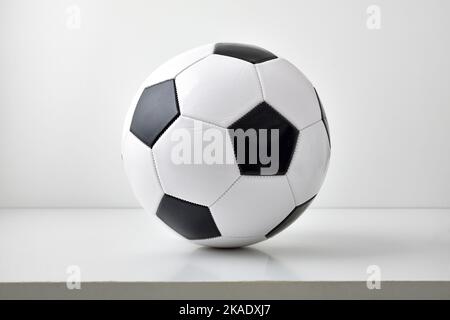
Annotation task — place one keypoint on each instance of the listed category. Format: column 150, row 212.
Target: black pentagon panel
column 156, row 109
column 297, row 212
column 324, row 117
column 192, row 221
column 263, row 116
column 252, row 54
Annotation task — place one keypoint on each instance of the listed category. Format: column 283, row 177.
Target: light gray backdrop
column 68, row 70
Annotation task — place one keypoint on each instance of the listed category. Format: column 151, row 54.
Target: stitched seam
column 310, row 125
column 225, row 192
column 259, row 82
column 297, row 147
column 190, row 65
column 292, row 190
column 156, row 170
column 264, row 98
column 245, row 111
column 205, row 122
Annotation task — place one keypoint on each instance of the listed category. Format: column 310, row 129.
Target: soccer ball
column 227, row 144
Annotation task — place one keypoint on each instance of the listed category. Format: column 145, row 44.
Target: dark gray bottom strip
column 228, row 290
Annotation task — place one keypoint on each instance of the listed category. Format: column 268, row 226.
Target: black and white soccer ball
column 207, row 92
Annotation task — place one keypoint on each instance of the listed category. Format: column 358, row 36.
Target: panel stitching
column 260, row 83
column 297, row 147
column 292, row 194
column 225, row 192
column 156, row 169
column 190, row 65
column 245, row 111
column 292, row 190
column 310, row 125
column 206, row 122
column 271, row 232
column 274, row 107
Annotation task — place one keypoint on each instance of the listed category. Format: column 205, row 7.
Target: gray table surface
column 126, row 253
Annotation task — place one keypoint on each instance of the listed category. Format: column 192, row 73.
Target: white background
column 64, row 92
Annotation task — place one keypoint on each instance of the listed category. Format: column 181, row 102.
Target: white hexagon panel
column 186, row 169
column 219, row 89
column 310, row 162
column 286, row 89
column 258, row 203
